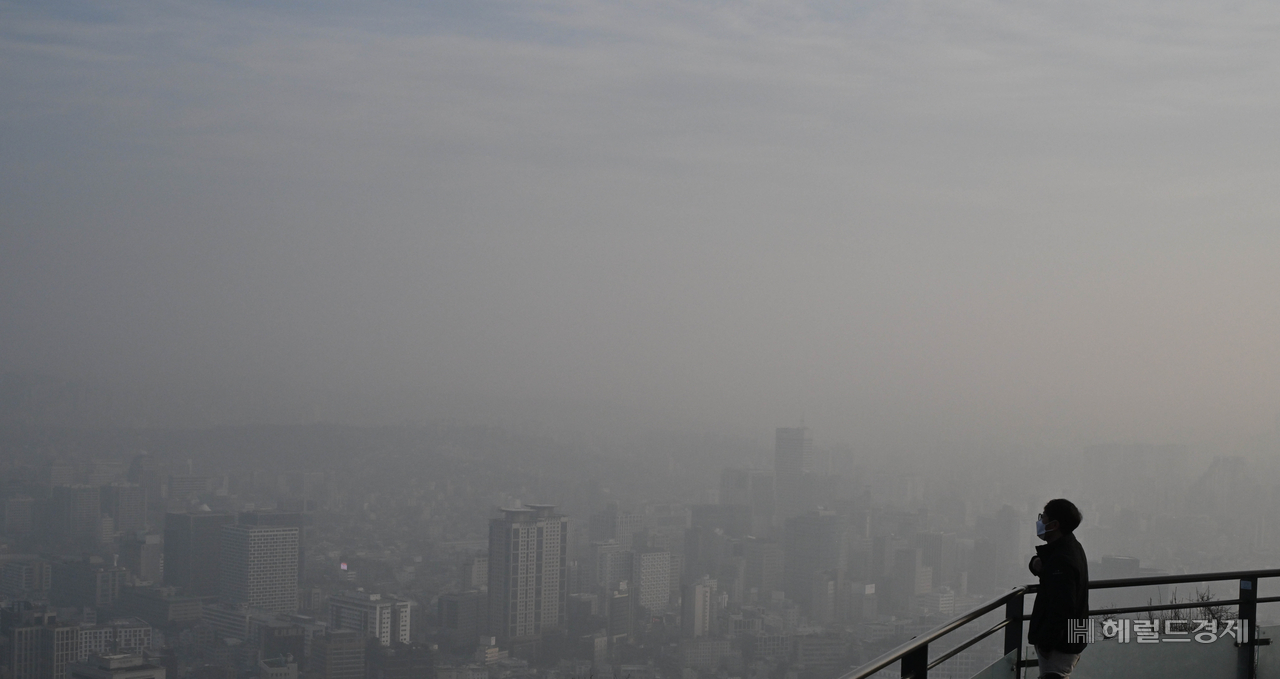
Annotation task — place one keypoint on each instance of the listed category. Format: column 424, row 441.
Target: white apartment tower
column 384, row 619
column 259, row 567
column 651, row 580
column 697, row 611
column 528, row 573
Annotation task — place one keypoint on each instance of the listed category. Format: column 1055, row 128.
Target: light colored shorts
column 1056, row 662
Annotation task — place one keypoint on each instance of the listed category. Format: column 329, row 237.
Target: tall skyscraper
column 764, row 566
column 528, row 573
column 615, row 524
column 793, row 450
column 143, row 555
column 126, row 504
column 274, row 517
column 75, row 514
column 813, row 543
column 651, row 580
column 260, row 567
column 755, row 489
column 619, row 612
column 911, row 578
column 475, row 572
column 706, row 550
column 144, row 470
column 192, row 551
column 610, row 564
column 696, row 614
column 383, row 618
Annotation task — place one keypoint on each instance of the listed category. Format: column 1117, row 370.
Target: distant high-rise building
column 940, row 552
column 752, row 488
column 183, row 487
column 144, row 470
column 19, row 515
column 260, row 567
column 25, row 578
column 159, row 606
column 706, row 551
column 528, row 573
column 620, row 613
column 651, row 580
column 23, row 624
column 998, row 561
column 697, row 614
column 793, row 451
column 192, row 551
column 910, row 578
column 941, row 600
column 62, row 474
column 385, row 619
column 812, row 543
column 475, row 572
column 58, row 647
column 861, row 604
column 610, row 564
column 823, row 589
column 38, row 646
column 143, row 555
column 461, row 616
column 615, row 524
column 339, row 654
column 282, row 518
column 126, row 504
column 732, row 520
column 764, row 566
column 75, row 514
column 82, row 582
column 121, row 635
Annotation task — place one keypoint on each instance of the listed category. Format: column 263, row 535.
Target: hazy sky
column 1048, row 219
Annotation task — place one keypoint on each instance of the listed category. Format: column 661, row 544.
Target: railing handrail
column 1220, row 576
column 938, row 632
column 923, row 640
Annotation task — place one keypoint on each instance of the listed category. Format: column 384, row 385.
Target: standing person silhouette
column 1063, row 595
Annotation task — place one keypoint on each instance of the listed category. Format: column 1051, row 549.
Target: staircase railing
column 915, row 661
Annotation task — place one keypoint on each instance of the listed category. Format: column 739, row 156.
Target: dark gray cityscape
column 601, row 339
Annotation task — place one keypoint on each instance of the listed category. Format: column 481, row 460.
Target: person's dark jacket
column 1063, row 594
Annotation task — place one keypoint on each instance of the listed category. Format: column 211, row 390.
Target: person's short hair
column 1064, row 512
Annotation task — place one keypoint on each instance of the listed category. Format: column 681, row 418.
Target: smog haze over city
column 785, row 318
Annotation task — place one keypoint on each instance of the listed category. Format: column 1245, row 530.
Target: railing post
column 915, row 665
column 1248, row 616
column 1013, row 631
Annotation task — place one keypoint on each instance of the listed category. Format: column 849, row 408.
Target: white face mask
column 1040, row 530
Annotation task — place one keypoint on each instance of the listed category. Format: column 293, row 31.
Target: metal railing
column 914, row 654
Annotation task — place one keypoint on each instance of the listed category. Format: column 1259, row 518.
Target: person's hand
column 1035, row 565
